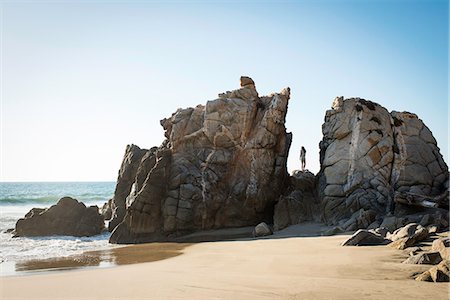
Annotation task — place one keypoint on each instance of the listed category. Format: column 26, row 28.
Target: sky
column 82, row 79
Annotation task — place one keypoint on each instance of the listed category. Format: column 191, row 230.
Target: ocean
column 17, row 198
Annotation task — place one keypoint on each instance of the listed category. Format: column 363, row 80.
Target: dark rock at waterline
column 262, row 229
column 106, row 210
column 67, row 217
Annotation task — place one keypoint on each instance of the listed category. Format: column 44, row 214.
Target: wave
column 48, row 200
column 35, row 193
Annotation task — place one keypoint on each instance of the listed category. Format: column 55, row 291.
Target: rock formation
column 127, row 176
column 299, row 204
column 402, row 238
column 222, row 164
column 67, row 217
column 106, row 210
column 408, row 236
column 443, row 246
column 364, row 237
column 379, row 162
column 439, row 273
column 424, row 258
column 262, row 229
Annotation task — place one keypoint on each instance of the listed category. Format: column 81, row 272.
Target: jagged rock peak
column 246, row 92
column 247, row 82
column 223, row 165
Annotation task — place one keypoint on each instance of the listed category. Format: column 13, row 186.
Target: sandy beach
column 282, row 267
column 224, row 149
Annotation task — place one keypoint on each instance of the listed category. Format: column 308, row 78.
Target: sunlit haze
column 82, row 79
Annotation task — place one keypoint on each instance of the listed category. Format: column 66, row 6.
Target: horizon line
column 54, row 181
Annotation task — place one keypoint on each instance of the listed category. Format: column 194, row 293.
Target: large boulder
column 106, row 210
column 222, row 165
column 424, row 258
column 67, row 217
column 418, row 168
column 262, row 229
column 364, row 237
column 443, row 246
column 378, row 161
column 412, row 230
column 408, row 236
column 439, row 273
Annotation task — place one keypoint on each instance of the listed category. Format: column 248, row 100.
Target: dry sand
column 284, row 267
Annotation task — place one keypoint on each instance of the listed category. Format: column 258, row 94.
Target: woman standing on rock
column 303, row 158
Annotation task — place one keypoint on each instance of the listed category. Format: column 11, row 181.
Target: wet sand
column 126, row 255
column 283, row 267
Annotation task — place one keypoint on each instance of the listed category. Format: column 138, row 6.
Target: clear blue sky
column 82, row 79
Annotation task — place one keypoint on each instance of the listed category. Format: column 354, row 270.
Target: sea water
column 17, row 198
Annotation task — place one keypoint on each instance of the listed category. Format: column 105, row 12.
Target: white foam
column 27, row 248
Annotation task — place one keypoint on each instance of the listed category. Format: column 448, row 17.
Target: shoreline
column 94, row 259
column 283, row 267
column 124, row 254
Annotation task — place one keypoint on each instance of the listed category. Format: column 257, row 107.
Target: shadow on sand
column 306, row 229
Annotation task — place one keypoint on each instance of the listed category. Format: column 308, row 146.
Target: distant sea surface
column 17, row 198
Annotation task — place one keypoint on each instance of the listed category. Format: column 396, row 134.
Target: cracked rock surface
column 222, row 165
column 375, row 160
